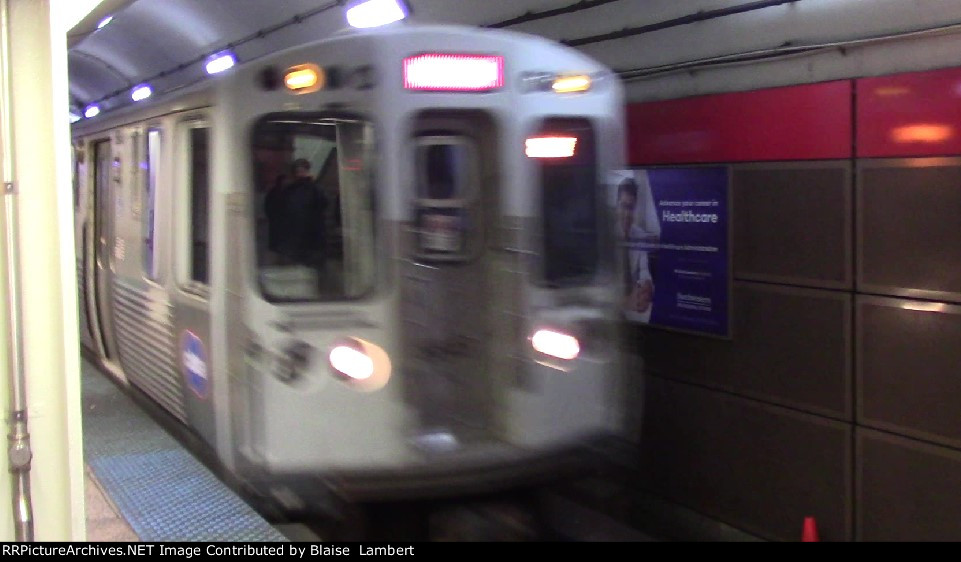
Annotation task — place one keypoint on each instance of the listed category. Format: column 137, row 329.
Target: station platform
column 144, row 485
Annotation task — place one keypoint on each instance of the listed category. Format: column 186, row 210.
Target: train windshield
column 314, row 212
column 569, row 203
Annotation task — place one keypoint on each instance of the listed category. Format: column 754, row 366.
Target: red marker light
column 550, row 147
column 556, row 344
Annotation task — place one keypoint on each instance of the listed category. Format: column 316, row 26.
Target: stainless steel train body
column 379, row 328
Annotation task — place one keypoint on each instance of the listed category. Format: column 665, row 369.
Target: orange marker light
column 304, row 78
column 568, row 84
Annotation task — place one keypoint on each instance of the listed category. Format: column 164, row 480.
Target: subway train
column 381, row 264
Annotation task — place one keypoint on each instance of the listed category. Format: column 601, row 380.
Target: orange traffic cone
column 810, row 531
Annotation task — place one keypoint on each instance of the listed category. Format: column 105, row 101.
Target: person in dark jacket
column 295, row 210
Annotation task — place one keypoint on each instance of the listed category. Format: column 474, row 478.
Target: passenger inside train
column 301, row 251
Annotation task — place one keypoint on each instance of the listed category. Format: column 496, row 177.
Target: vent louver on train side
column 146, row 345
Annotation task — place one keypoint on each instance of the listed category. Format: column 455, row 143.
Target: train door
column 100, row 263
column 448, row 286
column 191, row 296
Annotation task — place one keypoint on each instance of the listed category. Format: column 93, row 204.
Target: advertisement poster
column 673, row 230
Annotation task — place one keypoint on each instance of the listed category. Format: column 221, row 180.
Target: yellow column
column 41, row 149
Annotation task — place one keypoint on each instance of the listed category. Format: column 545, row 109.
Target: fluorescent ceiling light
column 221, row 62
column 141, row 92
column 374, row 13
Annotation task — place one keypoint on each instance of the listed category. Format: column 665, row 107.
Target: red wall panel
column 916, row 114
column 809, row 122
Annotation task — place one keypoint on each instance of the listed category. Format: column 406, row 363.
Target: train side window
column 78, row 169
column 441, row 165
column 195, row 171
column 314, row 211
column 569, row 194
column 101, row 188
column 151, row 163
column 136, row 168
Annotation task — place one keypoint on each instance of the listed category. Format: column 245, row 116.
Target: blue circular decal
column 195, row 364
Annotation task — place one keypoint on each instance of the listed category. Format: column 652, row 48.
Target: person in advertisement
column 638, row 231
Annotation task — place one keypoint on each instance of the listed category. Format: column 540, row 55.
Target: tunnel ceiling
column 164, row 42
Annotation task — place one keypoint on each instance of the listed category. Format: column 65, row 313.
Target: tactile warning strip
column 163, row 492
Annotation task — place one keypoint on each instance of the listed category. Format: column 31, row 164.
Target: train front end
column 432, row 299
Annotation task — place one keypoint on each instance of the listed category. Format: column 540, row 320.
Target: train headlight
column 556, row 344
column 363, row 365
column 351, row 362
